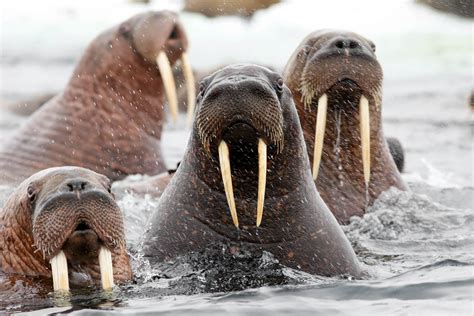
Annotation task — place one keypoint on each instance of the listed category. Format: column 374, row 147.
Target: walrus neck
column 121, row 82
column 18, row 255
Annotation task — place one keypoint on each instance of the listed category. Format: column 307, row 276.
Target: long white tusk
column 319, row 134
column 262, row 178
column 227, row 179
column 190, row 85
column 365, row 136
column 168, row 83
column 106, row 269
column 59, row 272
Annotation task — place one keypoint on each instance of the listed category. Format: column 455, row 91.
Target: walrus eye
column 280, row 83
column 279, row 87
column 31, row 194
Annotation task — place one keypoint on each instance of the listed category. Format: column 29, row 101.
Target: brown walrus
column 109, row 117
column 63, row 223
column 336, row 82
column 246, row 154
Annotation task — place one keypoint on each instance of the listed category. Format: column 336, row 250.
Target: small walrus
column 63, row 223
column 245, row 180
column 109, row 117
column 336, row 82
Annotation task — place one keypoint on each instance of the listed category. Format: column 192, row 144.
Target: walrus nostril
column 346, row 44
column 174, row 33
column 339, row 44
column 353, row 44
column 76, row 185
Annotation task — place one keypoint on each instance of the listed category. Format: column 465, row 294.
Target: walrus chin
column 143, row 34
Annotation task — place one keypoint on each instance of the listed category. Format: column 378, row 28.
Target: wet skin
column 241, row 105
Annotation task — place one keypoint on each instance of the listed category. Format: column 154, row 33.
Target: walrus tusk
column 365, row 136
column 106, row 269
column 168, row 83
column 319, row 133
column 227, row 179
column 262, row 178
column 59, row 272
column 190, row 85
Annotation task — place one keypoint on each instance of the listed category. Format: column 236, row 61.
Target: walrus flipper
column 397, row 152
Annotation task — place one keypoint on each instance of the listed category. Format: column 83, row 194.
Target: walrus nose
column 77, row 185
column 345, row 43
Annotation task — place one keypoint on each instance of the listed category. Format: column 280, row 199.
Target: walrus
column 245, row 180
column 63, row 223
column 109, row 117
column 336, row 82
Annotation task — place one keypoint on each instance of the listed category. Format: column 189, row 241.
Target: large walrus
column 336, row 82
column 63, row 223
column 109, row 118
column 245, row 180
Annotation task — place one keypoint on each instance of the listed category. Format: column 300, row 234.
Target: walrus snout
column 159, row 31
column 348, row 45
column 328, row 57
column 239, row 95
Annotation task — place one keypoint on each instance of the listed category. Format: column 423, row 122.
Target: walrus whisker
column 106, row 268
column 190, row 86
column 262, row 178
column 59, row 272
column 319, row 133
column 365, row 136
column 168, row 83
column 227, row 179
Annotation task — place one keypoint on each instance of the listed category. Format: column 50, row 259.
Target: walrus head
column 142, row 49
column 63, row 222
column 240, row 124
column 333, row 64
column 160, row 37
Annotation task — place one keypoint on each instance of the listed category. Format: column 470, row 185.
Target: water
column 417, row 245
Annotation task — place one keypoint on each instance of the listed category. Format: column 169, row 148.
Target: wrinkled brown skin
column 109, row 117
column 41, row 216
column 242, row 101
column 317, row 65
